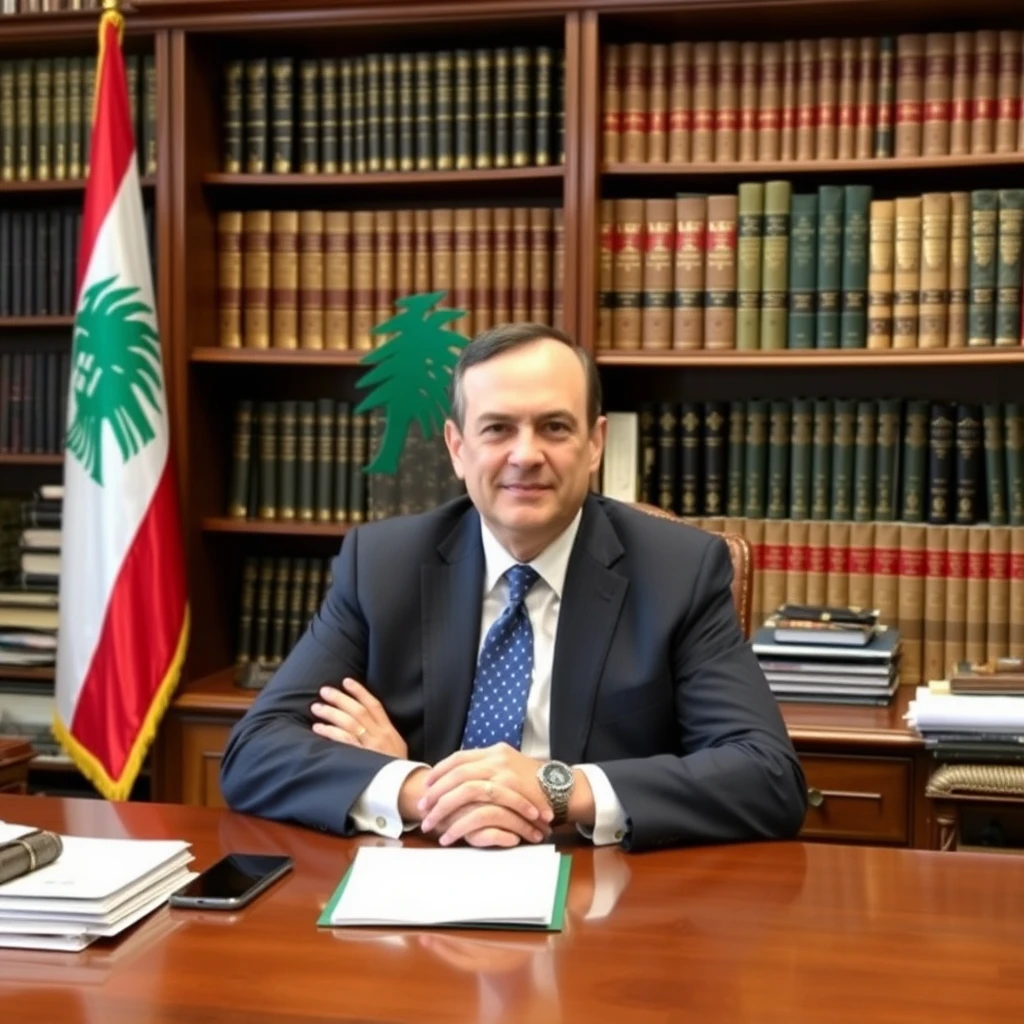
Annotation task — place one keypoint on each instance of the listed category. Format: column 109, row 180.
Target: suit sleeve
column 274, row 765
column 737, row 776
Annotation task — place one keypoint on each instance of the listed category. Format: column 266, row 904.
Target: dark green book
column 389, row 111
column 267, row 504
column 967, row 464
column 257, row 72
column 755, row 478
column 42, row 118
column 232, row 127
column 864, row 453
column 501, row 100
column 689, row 459
column 648, row 453
column 1008, row 266
column 444, row 123
column 914, row 462
column 304, row 502
column 830, row 264
column 887, row 449
column 24, row 120
column 1013, row 424
column 981, row 309
column 542, row 97
column 522, row 107
column 324, row 459
column 296, row 600
column 716, row 415
column 282, row 99
column 287, row 440
column 359, row 98
column 777, row 503
column 359, row 439
column 941, row 433
column 736, row 459
column 346, row 115
column 424, row 113
column 330, row 122
column 668, row 456
column 246, row 610
column 76, row 104
column 463, row 110
column 853, row 325
column 775, row 265
column 342, row 461
column 821, row 460
column 8, row 119
column 995, row 463
column 407, row 127
column 800, row 453
column 59, row 121
column 749, row 243
column 279, row 609
column 844, row 432
column 803, row 265
column 374, row 88
column 483, row 114
column 309, row 116
column 241, row 461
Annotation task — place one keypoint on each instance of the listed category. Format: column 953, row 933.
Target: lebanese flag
column 123, row 605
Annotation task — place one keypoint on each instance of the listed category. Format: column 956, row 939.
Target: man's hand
column 354, row 716
column 479, row 795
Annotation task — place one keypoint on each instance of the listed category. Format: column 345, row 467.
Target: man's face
column 525, row 451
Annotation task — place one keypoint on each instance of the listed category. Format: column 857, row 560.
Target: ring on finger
column 489, row 791
column 361, row 732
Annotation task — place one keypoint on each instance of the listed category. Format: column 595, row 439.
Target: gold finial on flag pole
column 111, row 5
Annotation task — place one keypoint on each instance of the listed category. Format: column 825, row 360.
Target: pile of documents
column 95, row 889
column 828, row 655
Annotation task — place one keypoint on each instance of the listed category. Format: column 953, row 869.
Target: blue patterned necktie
column 497, row 709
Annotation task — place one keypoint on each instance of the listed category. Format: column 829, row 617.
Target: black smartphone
column 233, row 882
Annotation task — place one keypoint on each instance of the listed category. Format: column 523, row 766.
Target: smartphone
column 233, row 882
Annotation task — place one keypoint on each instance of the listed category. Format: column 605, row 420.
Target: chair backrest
column 742, row 566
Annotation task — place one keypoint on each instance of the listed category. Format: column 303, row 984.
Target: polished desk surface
column 784, row 933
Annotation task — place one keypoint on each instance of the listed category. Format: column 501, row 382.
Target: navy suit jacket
column 652, row 678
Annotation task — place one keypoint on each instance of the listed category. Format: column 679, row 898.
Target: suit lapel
column 451, row 592
column 591, row 602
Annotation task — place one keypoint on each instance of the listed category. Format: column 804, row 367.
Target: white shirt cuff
column 610, row 820
column 376, row 808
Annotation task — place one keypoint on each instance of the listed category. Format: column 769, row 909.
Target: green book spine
column 8, row 120
column 43, row 124
column 304, row 505
column 981, row 310
column 424, row 113
column 407, row 127
column 59, row 119
column 854, row 319
column 1013, row 424
column 282, row 98
column 324, row 459
column 279, row 610
column 668, row 456
column 389, row 111
column 444, row 149
column 241, row 461
column 76, row 104
column 941, row 431
column 522, row 105
column 803, row 265
column 264, row 597
column 256, row 73
column 689, row 459
column 821, row 459
column 24, row 119
column 1008, row 266
column 864, row 452
column 830, row 264
column 373, row 86
column 648, row 453
column 296, row 598
column 844, row 429
column 775, row 265
column 915, row 462
column 359, row 98
column 463, row 110
column 483, row 114
column 346, row 116
column 342, row 461
column 755, row 478
column 715, row 418
column 800, row 452
column 886, row 78
column 233, row 103
column 330, row 124
column 542, row 106
column 267, row 503
column 286, row 439
column 88, row 90
column 316, row 585
column 777, row 505
column 995, row 463
column 132, row 79
column 359, row 436
column 560, row 109
column 968, row 463
column 148, row 152
column 502, row 154
column 309, row 116
column 887, row 448
column 735, row 458
column 749, row 227
column 247, row 607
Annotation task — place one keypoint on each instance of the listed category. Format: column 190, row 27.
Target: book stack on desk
column 977, row 713
column 77, row 890
column 828, row 655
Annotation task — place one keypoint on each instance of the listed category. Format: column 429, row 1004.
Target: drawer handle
column 816, row 797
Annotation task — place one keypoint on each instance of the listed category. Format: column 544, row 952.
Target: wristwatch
column 557, row 781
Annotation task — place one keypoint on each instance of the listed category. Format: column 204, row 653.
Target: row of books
column 931, row 94
column 446, row 110
column 955, row 593
column 33, row 401
column 46, row 112
column 305, row 461
column 47, row 6
column 323, row 279
column 770, row 269
column 846, row 459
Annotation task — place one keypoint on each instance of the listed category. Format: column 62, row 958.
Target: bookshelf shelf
column 278, row 356
column 10, row 323
column 31, row 460
column 817, row 358
column 786, row 168
column 214, row 693
column 222, row 524
column 21, row 674
column 54, row 187
column 396, row 179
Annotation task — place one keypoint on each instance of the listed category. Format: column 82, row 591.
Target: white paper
column 954, row 712
column 399, row 886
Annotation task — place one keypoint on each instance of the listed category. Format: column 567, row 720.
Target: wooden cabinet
column 15, row 755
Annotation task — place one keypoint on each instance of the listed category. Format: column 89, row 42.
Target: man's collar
column 551, row 564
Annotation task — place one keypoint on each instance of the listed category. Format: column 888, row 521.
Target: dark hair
column 505, row 338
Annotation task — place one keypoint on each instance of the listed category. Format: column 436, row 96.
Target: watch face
column 557, row 775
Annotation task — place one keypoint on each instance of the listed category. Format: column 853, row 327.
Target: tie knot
column 520, row 579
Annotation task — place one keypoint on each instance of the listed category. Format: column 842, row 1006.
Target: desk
column 785, row 933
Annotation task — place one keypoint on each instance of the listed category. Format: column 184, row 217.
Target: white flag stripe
column 107, row 517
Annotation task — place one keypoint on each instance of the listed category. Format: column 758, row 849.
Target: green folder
column 557, row 916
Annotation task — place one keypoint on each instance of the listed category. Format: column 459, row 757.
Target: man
column 530, row 655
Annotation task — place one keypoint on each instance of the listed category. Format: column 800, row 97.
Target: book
column 401, row 887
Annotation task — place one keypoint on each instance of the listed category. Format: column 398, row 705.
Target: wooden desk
column 786, row 933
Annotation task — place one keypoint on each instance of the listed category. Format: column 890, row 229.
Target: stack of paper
column 96, row 888
column 395, row 886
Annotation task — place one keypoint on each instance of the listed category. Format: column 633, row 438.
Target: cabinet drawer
column 857, row 798
column 202, row 744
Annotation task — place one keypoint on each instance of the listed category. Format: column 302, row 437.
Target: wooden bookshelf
column 510, row 177
column 816, row 358
column 52, row 187
column 278, row 356
column 27, row 674
column 31, row 460
column 40, row 323
column 288, row 528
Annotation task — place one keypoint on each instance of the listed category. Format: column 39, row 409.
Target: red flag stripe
column 130, row 662
column 112, row 144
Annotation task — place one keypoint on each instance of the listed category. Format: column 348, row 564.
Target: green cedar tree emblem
column 116, row 360
column 410, row 374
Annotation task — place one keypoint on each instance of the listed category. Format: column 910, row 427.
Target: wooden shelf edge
column 817, row 357
column 554, row 172
column 214, row 693
column 31, row 460
column 279, row 356
column 20, row 673
column 783, row 167
column 35, row 322
column 225, row 524
column 65, row 185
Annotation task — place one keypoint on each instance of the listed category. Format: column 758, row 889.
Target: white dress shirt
column 376, row 809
